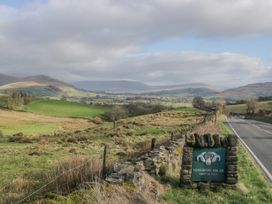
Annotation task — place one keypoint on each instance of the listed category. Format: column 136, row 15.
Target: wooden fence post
column 172, row 136
column 105, row 156
column 153, row 143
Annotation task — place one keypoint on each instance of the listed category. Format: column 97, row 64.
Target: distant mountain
column 5, row 79
column 187, row 92
column 248, row 91
column 122, row 86
column 135, row 87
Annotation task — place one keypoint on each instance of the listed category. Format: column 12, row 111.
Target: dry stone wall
column 151, row 162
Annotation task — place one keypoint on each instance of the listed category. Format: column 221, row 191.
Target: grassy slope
column 252, row 187
column 30, row 128
column 12, row 122
column 241, row 108
column 16, row 162
column 64, row 108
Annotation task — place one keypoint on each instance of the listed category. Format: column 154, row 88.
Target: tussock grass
column 73, row 172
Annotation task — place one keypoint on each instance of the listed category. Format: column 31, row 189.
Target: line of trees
column 16, row 99
column 130, row 110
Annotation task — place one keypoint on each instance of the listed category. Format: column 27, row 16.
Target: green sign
column 208, row 164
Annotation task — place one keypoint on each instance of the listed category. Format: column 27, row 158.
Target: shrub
column 1, row 134
column 96, row 120
column 20, row 137
column 72, row 139
column 74, row 171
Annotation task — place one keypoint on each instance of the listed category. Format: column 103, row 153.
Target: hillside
column 5, row 79
column 187, row 92
column 41, row 86
column 241, row 108
column 248, row 91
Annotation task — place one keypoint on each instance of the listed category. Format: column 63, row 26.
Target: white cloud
column 80, row 39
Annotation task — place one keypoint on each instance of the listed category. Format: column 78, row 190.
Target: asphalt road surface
column 257, row 137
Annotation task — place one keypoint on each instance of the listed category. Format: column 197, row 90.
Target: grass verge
column 252, row 188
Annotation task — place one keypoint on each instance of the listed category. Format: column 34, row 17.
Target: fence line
column 44, row 186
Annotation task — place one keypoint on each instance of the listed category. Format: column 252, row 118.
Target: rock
column 216, row 139
column 121, row 154
column 232, row 140
column 210, row 140
column 231, row 158
column 139, row 166
column 203, row 186
column 114, row 180
column 199, row 140
column 231, row 180
column 231, row 168
column 190, row 140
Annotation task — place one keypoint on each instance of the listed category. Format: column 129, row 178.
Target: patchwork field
column 12, row 122
column 62, row 108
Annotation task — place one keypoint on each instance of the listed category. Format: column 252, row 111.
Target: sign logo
column 209, row 164
column 208, row 157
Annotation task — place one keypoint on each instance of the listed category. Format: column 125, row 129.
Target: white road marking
column 258, row 127
column 252, row 153
column 268, row 132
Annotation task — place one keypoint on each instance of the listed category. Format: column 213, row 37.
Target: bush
column 143, row 109
column 1, row 134
column 74, row 171
column 96, row 120
column 20, row 137
column 72, row 139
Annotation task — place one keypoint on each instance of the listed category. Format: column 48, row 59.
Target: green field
column 241, row 108
column 30, row 128
column 64, row 108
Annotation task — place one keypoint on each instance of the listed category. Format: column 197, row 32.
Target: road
column 257, row 137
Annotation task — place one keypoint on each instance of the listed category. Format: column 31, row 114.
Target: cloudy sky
column 219, row 42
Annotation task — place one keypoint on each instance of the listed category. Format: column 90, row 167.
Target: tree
column 198, row 102
column 251, row 106
column 115, row 114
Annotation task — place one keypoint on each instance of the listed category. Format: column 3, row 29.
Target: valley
column 49, row 128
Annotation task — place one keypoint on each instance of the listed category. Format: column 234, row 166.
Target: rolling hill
column 5, row 79
column 41, row 85
column 248, row 91
column 135, row 87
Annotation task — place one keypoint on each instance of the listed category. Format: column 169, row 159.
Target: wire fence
column 40, row 189
column 49, row 183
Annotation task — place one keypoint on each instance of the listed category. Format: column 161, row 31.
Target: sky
column 217, row 42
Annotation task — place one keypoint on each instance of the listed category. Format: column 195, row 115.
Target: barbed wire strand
column 44, row 186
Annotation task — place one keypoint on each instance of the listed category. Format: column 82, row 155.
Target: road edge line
column 264, row 169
